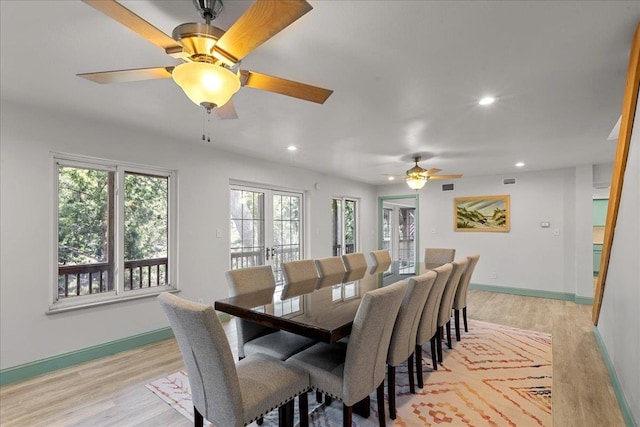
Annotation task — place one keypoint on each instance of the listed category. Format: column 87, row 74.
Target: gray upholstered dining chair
column 331, row 271
column 435, row 257
column 300, row 277
column 351, row 371
column 224, row 393
column 253, row 337
column 403, row 338
column 460, row 300
column 446, row 304
column 356, row 266
column 380, row 261
column 428, row 327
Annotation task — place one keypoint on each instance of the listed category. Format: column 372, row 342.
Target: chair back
column 215, row 387
column 460, row 300
column 450, row 291
column 331, row 271
column 435, row 257
column 380, row 261
column 429, row 319
column 301, row 277
column 365, row 361
column 356, row 266
column 403, row 338
column 250, row 279
column 243, row 281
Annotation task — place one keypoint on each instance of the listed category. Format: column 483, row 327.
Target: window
column 112, row 244
column 345, row 226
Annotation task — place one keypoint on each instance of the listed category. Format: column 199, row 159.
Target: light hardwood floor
column 111, row 392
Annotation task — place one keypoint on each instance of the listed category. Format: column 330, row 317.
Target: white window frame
column 119, row 294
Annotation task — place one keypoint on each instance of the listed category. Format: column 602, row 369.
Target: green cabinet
column 600, row 211
column 599, row 220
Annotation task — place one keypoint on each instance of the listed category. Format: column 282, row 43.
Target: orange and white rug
column 495, row 376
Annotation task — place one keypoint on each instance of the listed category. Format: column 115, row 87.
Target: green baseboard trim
column 564, row 296
column 617, row 388
column 39, row 367
column 524, row 292
column 583, row 300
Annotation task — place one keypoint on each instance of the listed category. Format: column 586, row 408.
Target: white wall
column 528, row 256
column 27, row 239
column 620, row 314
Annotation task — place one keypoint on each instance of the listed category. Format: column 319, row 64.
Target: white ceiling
column 406, row 76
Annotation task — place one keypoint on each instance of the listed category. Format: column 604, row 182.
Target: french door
column 266, row 228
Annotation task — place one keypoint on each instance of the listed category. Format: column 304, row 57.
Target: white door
column 266, row 228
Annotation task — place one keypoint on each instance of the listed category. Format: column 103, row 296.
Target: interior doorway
column 398, row 232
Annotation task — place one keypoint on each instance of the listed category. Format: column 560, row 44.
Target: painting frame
column 482, row 213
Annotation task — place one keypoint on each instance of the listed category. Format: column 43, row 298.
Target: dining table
column 323, row 312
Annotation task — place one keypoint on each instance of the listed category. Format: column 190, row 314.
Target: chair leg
column 439, row 342
column 259, row 421
column 449, row 335
column 391, row 390
column 412, row 383
column 456, row 317
column 418, row 353
column 346, row 415
column 464, row 318
column 198, row 419
column 434, row 352
column 382, row 418
column 285, row 414
column 318, row 397
column 303, row 408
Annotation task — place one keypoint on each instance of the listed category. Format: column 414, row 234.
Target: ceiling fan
column 417, row 177
column 211, row 73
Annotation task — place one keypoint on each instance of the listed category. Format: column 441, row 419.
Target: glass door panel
column 247, row 240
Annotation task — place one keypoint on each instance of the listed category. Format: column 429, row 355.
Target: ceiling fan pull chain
column 209, row 125
column 203, row 138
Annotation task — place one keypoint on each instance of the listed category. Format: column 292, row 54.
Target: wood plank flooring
column 110, row 391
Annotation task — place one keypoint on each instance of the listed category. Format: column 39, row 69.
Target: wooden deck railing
column 85, row 279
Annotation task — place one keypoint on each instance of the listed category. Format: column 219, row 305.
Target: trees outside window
column 344, row 217
column 111, row 243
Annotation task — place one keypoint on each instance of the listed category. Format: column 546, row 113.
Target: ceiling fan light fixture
column 416, row 181
column 205, row 83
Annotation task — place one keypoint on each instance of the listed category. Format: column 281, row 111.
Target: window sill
column 65, row 306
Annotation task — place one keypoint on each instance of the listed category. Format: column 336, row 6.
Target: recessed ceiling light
column 520, row 164
column 487, row 100
column 391, row 178
column 292, row 148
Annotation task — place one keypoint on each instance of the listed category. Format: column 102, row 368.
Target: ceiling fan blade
column 445, row 176
column 118, row 12
column 132, row 75
column 227, row 111
column 433, row 171
column 284, row 87
column 263, row 20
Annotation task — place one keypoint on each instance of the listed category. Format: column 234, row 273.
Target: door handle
column 271, row 251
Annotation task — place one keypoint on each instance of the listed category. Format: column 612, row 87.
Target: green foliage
column 145, row 216
column 83, row 216
column 83, row 219
column 350, row 222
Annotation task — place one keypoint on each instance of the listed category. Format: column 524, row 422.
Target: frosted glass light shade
column 416, row 182
column 206, row 83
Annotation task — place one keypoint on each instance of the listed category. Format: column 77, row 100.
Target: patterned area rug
column 495, row 376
